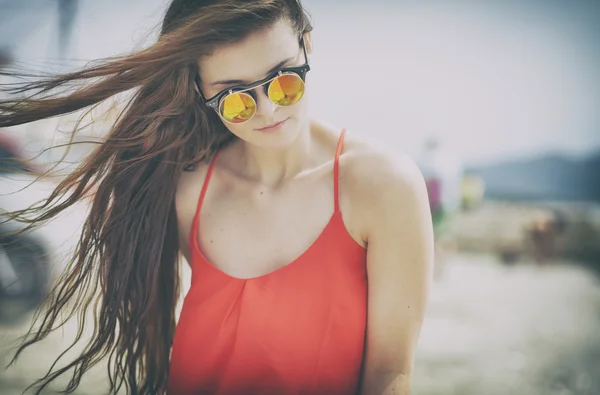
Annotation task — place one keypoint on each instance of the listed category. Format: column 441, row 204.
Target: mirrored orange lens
column 238, row 107
column 286, row 89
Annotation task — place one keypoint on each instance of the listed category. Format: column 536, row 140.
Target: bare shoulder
column 369, row 170
column 379, row 184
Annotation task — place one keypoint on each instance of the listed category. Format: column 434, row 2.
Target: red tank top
column 297, row 330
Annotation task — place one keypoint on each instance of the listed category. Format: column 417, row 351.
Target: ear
column 307, row 37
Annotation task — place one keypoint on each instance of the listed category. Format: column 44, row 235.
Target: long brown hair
column 124, row 269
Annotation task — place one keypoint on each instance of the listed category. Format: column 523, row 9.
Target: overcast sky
column 503, row 78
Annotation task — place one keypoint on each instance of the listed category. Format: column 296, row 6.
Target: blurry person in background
column 443, row 175
column 311, row 251
column 544, row 231
column 67, row 11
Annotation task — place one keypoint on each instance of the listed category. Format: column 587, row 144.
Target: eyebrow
column 244, row 82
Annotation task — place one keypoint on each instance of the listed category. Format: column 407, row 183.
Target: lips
column 273, row 125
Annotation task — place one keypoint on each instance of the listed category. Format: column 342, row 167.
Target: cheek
column 239, row 130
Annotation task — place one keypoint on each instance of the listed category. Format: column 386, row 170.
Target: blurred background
column 497, row 101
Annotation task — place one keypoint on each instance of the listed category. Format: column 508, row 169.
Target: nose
column 265, row 107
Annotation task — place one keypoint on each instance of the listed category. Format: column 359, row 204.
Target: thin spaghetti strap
column 194, row 231
column 336, row 165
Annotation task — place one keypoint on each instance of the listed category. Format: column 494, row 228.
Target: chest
column 249, row 234
column 246, row 231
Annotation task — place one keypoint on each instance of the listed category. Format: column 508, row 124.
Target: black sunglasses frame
column 215, row 101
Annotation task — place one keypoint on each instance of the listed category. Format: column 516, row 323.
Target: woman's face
column 251, row 60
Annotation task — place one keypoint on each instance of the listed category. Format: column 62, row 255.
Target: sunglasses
column 284, row 87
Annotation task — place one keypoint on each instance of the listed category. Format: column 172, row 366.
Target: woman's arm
column 399, row 238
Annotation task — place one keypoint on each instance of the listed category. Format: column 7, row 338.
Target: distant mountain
column 550, row 177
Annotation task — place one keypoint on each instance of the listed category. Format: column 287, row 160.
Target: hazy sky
column 496, row 79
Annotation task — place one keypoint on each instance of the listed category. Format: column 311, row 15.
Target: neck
column 270, row 166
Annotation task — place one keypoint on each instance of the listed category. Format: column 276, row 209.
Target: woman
column 310, row 252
